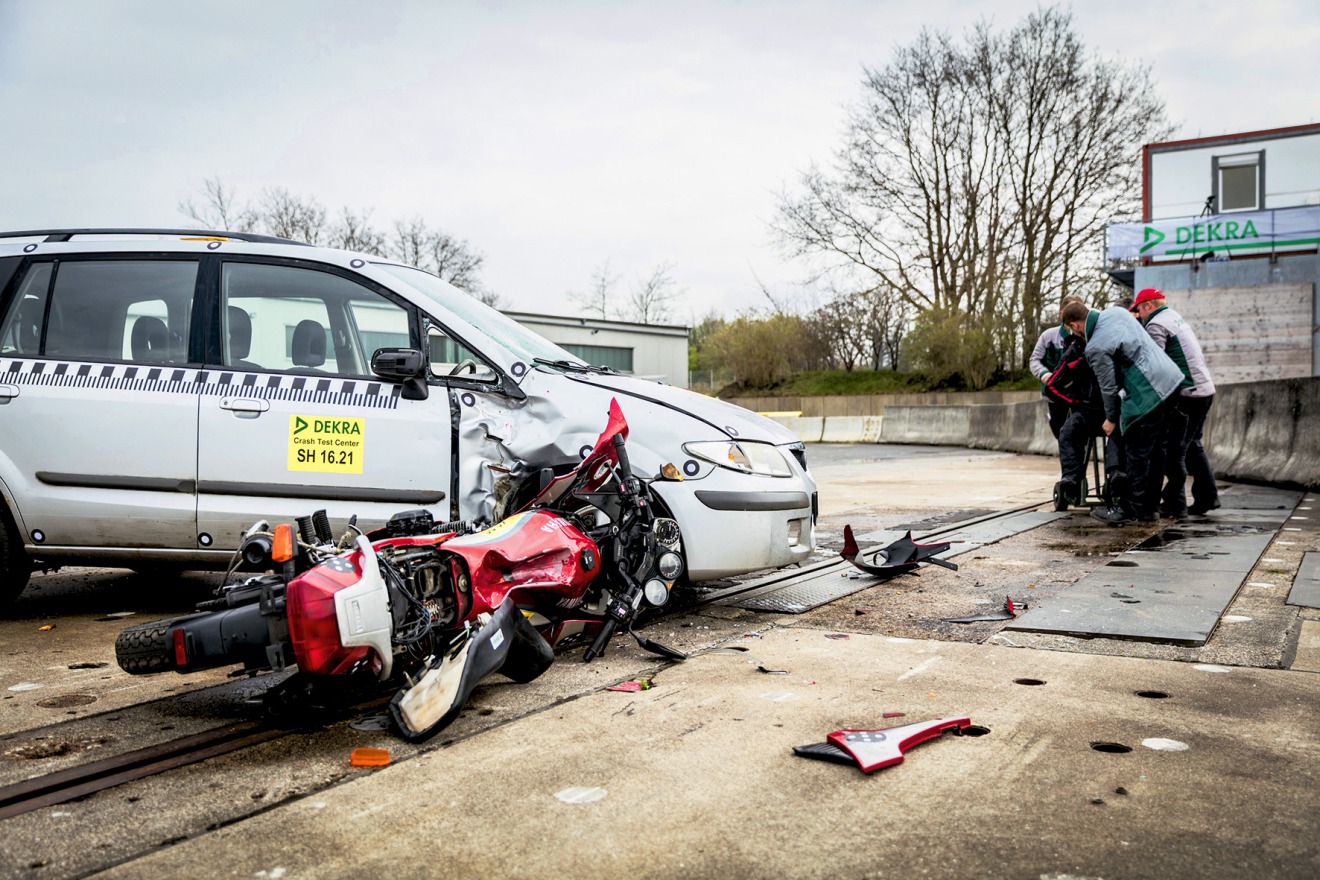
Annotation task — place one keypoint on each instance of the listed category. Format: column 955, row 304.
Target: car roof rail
column 56, row 235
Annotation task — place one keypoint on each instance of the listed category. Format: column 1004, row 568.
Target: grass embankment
column 813, row 383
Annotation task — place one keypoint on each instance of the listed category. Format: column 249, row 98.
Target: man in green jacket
column 1124, row 358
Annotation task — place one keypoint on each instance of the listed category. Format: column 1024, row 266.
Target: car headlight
column 749, row 458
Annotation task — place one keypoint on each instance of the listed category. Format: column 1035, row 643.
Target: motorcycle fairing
column 531, row 551
column 873, row 749
column 363, row 610
column 900, row 557
column 507, row 643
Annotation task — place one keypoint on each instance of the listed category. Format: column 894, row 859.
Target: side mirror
column 406, row 366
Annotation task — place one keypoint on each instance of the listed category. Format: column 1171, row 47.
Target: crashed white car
column 160, row 390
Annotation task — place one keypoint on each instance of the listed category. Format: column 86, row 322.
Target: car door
column 291, row 418
column 98, row 432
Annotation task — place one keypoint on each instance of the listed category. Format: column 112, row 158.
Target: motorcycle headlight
column 656, row 591
column 749, row 458
column 670, row 566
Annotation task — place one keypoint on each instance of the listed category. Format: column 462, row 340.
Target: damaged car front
column 745, row 501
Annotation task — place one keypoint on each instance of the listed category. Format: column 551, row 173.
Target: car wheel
column 15, row 567
column 145, row 648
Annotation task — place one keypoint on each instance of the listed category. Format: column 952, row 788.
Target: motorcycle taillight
column 313, row 628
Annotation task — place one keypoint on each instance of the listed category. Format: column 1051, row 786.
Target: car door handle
column 245, row 407
column 8, row 393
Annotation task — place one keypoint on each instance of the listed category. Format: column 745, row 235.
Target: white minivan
column 160, row 390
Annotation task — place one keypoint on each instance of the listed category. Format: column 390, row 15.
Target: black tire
column 15, row 567
column 1060, row 499
column 145, row 649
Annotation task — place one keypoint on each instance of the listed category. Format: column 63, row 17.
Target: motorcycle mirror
column 656, row 648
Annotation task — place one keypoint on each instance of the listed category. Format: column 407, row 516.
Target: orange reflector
column 202, row 238
column 362, row 757
column 180, row 649
column 669, row 472
column 281, row 549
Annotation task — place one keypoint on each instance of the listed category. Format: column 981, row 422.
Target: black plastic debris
column 900, row 557
column 1008, row 612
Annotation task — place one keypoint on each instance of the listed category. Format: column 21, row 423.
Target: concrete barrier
column 928, row 425
column 1266, row 432
column 808, row 428
column 852, row 429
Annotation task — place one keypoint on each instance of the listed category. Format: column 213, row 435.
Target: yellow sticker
column 329, row 445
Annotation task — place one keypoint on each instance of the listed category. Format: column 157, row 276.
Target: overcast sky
column 552, row 136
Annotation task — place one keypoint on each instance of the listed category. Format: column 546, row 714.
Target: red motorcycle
column 432, row 609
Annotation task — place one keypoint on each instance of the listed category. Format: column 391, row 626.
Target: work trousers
column 1185, row 455
column 1059, row 413
column 1143, row 448
column 1076, row 432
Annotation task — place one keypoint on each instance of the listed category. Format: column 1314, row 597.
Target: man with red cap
column 1124, row 358
column 1185, row 454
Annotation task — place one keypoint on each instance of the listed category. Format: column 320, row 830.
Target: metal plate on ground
column 1306, row 588
column 822, row 584
column 1174, row 587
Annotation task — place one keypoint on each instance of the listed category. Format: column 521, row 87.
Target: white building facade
column 1230, row 233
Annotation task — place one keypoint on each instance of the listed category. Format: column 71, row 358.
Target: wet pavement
column 1087, row 773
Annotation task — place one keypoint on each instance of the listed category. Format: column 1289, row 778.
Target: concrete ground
column 1100, row 758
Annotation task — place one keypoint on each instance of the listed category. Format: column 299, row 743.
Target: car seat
column 240, row 339
column 150, row 340
column 308, row 345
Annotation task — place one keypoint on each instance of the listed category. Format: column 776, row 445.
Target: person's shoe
column 1115, row 516
column 1168, row 510
column 1203, row 509
column 1148, row 518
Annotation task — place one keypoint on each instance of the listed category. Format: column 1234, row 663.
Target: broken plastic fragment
column 364, row 757
column 893, row 714
column 1008, row 612
column 772, row 671
column 47, row 628
column 900, row 557
column 874, row 749
column 631, row 687
column 836, row 635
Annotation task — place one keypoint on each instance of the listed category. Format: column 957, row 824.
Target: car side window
column 104, row 310
column 21, row 334
column 298, row 320
column 449, row 357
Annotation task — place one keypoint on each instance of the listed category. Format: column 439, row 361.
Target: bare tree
column 598, row 300
column 652, row 298
column 286, row 215
column 441, row 254
column 282, row 213
column 218, row 210
column 974, row 176
column 353, row 232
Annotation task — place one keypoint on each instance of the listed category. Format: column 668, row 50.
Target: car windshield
column 516, row 338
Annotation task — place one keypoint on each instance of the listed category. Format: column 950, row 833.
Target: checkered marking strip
column 212, row 383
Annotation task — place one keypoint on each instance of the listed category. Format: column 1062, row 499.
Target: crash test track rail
column 838, row 562
column 63, row 786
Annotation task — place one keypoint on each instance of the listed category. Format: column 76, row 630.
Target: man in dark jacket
column 1124, row 358
column 1185, row 454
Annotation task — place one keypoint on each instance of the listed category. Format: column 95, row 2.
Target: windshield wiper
column 572, row 367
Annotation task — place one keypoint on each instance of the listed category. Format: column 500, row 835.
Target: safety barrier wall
column 1257, row 431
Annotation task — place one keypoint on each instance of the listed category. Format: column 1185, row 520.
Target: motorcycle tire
column 145, row 648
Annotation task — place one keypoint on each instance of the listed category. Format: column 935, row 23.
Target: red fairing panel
column 537, row 554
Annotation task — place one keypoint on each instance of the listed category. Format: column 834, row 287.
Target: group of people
column 1136, row 373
